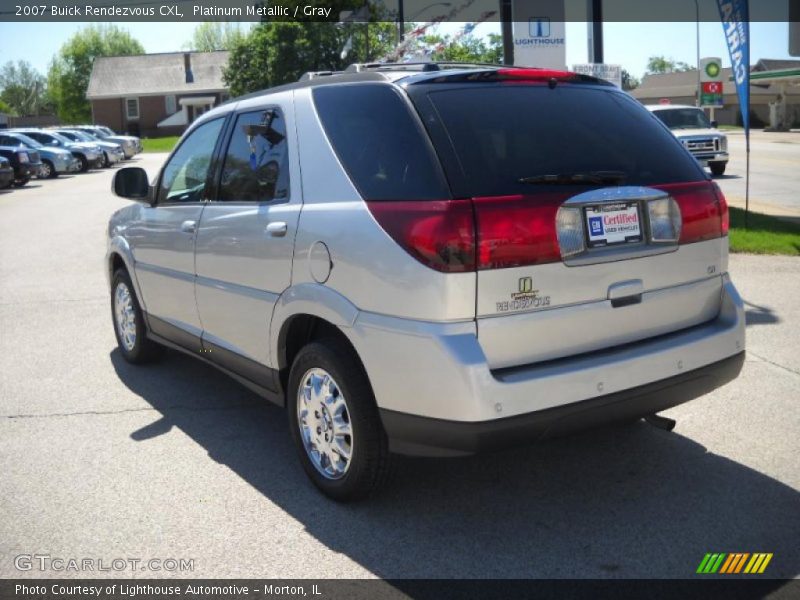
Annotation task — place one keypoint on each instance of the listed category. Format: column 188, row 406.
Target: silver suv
column 431, row 261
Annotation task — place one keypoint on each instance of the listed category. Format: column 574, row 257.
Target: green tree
column 23, row 89
column 629, row 82
column 68, row 77
column 660, row 64
column 468, row 48
column 213, row 35
column 6, row 109
column 274, row 53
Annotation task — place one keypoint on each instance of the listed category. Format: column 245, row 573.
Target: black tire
column 369, row 464
column 84, row 163
column 143, row 350
column 717, row 169
column 48, row 170
column 106, row 161
column 21, row 182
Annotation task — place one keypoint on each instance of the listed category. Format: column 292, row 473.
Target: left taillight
column 438, row 233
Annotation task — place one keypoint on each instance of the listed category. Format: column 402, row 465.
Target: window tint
column 503, row 133
column 256, row 166
column 185, row 175
column 382, row 147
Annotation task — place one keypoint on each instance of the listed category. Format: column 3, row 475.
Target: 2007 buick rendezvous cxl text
column 432, row 260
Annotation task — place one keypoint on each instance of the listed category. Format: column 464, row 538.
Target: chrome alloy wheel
column 46, row 171
column 324, row 421
column 125, row 316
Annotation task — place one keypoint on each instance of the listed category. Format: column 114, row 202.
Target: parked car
column 131, row 145
column 431, row 261
column 697, row 134
column 112, row 151
column 6, row 173
column 24, row 162
column 89, row 156
column 54, row 160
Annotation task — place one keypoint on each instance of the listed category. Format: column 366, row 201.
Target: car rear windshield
column 380, row 142
column 515, row 139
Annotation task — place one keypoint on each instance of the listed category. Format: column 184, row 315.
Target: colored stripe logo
column 733, row 563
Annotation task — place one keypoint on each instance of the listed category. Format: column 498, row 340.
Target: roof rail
column 416, row 66
column 315, row 74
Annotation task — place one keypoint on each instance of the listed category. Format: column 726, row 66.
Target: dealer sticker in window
column 608, row 224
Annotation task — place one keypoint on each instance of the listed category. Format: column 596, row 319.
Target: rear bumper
column 411, row 434
column 437, row 393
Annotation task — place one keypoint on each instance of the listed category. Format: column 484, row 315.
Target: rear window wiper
column 592, row 177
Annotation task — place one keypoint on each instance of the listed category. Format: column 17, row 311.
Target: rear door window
column 380, row 142
column 501, row 134
column 256, row 167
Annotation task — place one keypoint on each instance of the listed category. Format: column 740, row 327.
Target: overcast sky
column 627, row 44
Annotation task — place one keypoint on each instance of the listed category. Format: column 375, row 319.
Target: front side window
column 132, row 108
column 184, row 178
column 256, row 164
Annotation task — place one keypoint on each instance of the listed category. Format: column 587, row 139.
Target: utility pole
column 508, row 31
column 595, row 8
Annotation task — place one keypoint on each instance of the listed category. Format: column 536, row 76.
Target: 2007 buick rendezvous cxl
column 432, row 260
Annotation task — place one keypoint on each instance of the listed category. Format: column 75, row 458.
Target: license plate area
column 613, row 224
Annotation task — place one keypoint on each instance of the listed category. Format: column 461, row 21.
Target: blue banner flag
column 736, row 24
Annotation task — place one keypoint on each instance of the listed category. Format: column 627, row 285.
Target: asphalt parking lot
column 105, row 460
column 774, row 159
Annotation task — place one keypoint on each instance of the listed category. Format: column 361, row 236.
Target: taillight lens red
column 704, row 215
column 517, row 230
column 723, row 207
column 439, row 234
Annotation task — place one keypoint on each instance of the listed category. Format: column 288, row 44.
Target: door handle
column 277, row 229
column 189, row 226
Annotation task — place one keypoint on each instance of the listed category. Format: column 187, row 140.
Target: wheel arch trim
column 311, row 299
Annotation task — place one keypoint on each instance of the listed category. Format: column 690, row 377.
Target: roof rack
column 316, row 74
column 416, row 66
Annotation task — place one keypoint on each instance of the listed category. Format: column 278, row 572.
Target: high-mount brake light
column 535, row 75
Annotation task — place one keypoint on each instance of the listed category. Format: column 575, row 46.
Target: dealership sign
column 539, row 34
column 711, row 82
column 612, row 73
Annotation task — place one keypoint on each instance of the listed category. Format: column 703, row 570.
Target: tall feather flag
column 735, row 17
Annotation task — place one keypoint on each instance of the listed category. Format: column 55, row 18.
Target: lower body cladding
column 438, row 397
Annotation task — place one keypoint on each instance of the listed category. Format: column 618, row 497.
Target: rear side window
column 503, row 133
column 381, row 144
column 256, row 165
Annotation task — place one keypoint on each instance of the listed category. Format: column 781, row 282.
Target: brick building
column 153, row 95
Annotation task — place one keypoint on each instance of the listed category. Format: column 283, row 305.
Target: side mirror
column 714, row 124
column 55, row 143
column 132, row 183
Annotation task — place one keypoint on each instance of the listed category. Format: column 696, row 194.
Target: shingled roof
column 153, row 74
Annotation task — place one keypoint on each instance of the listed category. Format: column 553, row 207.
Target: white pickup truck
column 699, row 135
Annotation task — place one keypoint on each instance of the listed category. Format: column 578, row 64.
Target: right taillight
column 723, row 207
column 703, row 213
